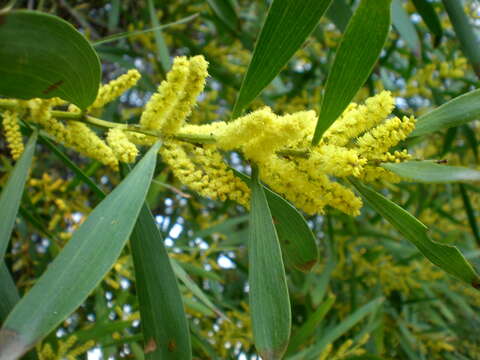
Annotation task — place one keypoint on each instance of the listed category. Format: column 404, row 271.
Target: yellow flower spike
column 166, row 98
column 223, row 180
column 40, row 111
column 12, row 132
column 204, row 171
column 356, row 119
column 85, row 141
column 173, row 103
column 115, row 88
column 382, row 137
column 261, row 133
column 333, row 160
column 124, row 150
column 311, row 194
column 195, row 84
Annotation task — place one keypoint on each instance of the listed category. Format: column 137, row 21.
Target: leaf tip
column 11, row 345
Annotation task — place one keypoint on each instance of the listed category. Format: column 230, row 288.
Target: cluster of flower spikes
column 355, row 145
column 75, row 134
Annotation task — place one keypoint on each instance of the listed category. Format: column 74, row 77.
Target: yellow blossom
column 12, row 133
column 262, row 133
column 172, row 104
column 40, row 112
column 204, row 171
column 124, row 150
column 115, row 88
column 84, row 140
column 358, row 118
column 384, row 136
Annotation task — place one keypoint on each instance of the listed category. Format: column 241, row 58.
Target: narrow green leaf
column 113, row 15
column 406, row 29
column 12, row 194
column 70, row 164
column 340, row 13
column 164, row 325
column 8, row 292
column 309, row 327
column 162, row 49
column 458, row 111
column 296, row 239
column 80, row 266
column 268, row 297
column 465, row 31
column 357, row 54
column 193, row 287
column 342, row 328
column 447, row 257
column 43, row 56
column 225, row 12
column 431, row 19
column 287, row 26
column 472, row 220
column 432, row 172
column 127, row 34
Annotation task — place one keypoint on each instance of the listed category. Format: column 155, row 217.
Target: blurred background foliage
column 372, row 296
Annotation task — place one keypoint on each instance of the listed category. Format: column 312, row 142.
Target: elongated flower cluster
column 354, row 146
column 12, row 133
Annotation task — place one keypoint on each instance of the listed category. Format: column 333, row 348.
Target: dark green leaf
column 162, row 49
column 406, row 29
column 127, row 34
column 287, row 26
column 472, row 220
column 193, row 287
column 81, row 265
column 465, row 31
column 296, row 238
column 268, row 297
column 308, row 328
column 226, row 12
column 447, row 257
column 349, row 322
column 12, row 193
column 340, row 13
column 431, row 172
column 357, row 54
column 8, row 292
column 457, row 111
column 43, row 56
column 430, row 17
column 165, row 328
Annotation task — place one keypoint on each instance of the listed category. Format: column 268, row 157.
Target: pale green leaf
column 80, row 266
column 447, row 257
column 432, row 172
column 268, row 297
